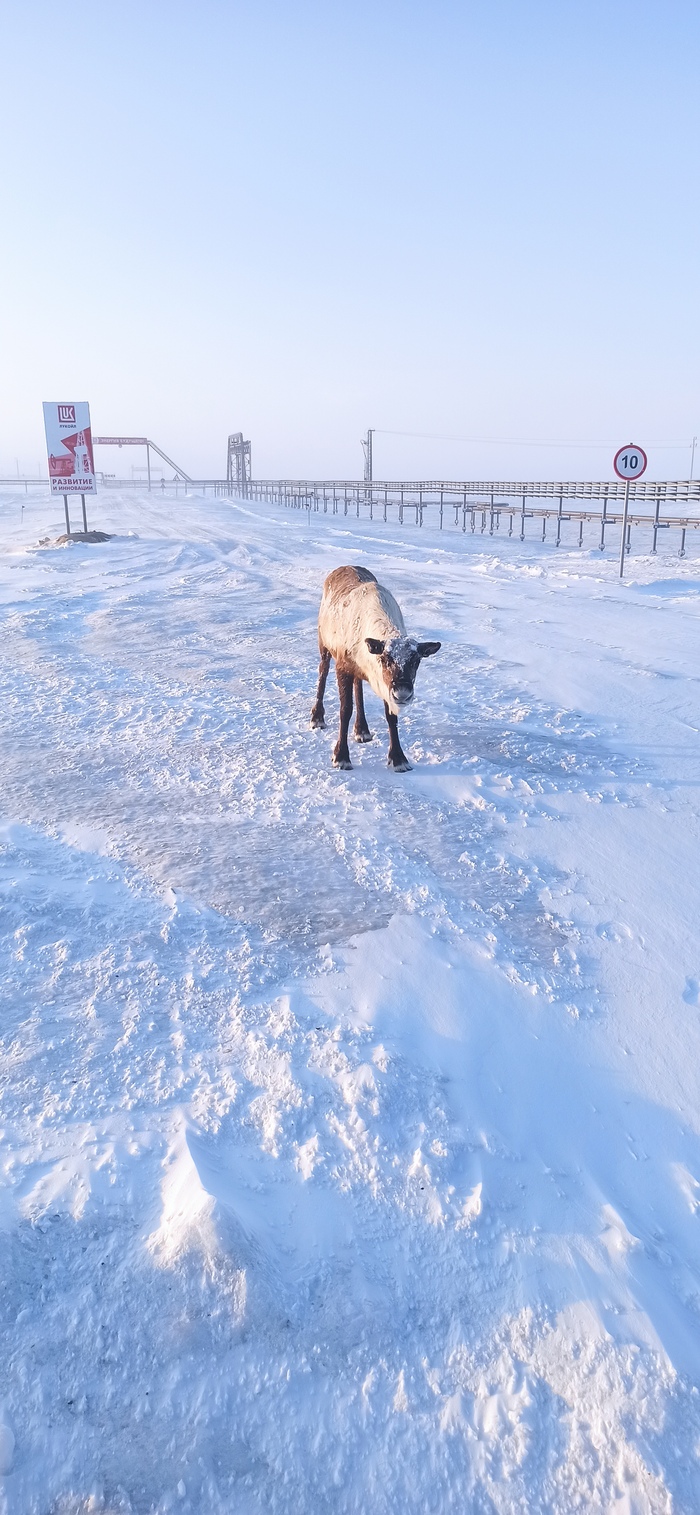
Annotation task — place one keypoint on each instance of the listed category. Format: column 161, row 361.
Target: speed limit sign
column 630, row 462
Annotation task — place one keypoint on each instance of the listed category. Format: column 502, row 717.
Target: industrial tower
column 238, row 460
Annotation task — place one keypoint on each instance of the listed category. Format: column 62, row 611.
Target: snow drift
column 350, row 1149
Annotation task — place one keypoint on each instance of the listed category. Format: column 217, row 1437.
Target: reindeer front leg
column 318, row 714
column 361, row 732
column 341, row 754
column 397, row 758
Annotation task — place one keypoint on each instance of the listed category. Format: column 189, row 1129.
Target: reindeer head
column 400, row 660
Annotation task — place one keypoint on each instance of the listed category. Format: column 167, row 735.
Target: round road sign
column 630, row 462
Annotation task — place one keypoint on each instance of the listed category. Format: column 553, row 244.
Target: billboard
column 69, row 446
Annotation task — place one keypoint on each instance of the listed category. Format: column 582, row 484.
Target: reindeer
column 361, row 626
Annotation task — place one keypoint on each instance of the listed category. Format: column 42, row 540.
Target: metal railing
column 480, row 507
column 23, row 483
column 487, row 505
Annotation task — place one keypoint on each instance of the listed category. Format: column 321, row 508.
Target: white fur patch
column 346, row 620
column 401, row 650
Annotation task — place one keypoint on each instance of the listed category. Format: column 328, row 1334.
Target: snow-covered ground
column 350, row 1122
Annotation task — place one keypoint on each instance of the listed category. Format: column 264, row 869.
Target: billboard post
column 69, row 448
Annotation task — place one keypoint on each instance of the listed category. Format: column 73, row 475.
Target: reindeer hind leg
column 361, row 731
column 341, row 754
column 318, row 714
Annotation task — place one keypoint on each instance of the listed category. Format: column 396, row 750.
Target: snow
column 350, row 1145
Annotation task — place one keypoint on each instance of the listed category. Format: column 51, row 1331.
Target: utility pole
column 367, row 449
column 692, row 456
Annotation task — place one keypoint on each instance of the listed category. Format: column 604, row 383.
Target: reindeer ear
column 426, row 649
column 375, row 647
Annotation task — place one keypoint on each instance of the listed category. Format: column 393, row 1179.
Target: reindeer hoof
column 342, row 763
column 403, row 766
column 364, row 736
column 318, row 723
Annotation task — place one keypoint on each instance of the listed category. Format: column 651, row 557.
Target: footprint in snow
column 614, row 931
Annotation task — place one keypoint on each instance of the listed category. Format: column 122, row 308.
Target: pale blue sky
column 301, row 219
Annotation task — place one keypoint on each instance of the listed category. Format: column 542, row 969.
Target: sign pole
column 624, row 527
column 629, row 463
column 65, row 507
column 84, row 514
column 148, row 465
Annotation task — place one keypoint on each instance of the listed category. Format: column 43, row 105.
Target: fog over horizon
column 473, row 227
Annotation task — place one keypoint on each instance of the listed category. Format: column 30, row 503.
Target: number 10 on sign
column 629, row 463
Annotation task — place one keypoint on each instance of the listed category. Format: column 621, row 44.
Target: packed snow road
column 350, row 1146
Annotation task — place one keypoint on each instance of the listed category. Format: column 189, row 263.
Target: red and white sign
column 630, row 462
column 69, row 446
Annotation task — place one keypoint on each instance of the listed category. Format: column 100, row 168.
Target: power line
column 432, row 436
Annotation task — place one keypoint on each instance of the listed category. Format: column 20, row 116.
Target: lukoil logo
column 66, row 415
